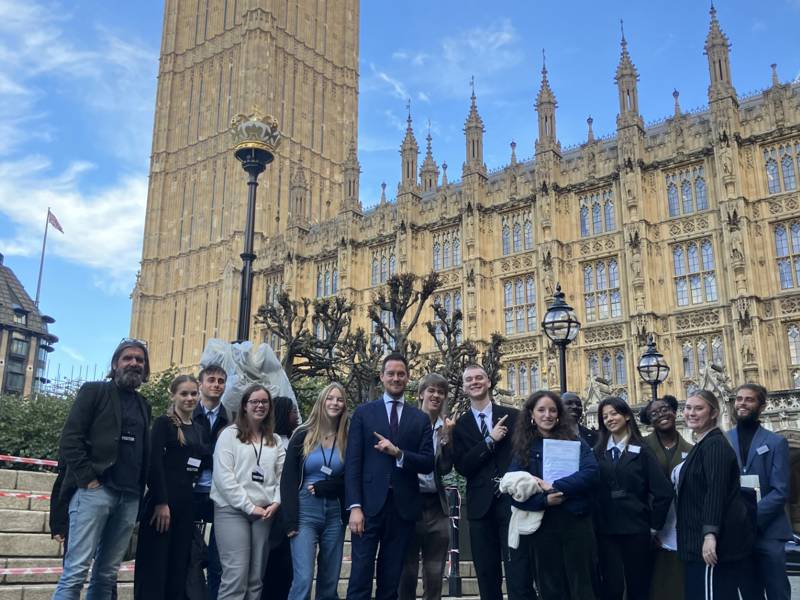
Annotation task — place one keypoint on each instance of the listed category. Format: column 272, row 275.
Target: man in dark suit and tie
column 389, row 444
column 764, row 462
column 482, row 452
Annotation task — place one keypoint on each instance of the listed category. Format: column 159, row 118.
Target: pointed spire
column 409, row 152
column 383, row 192
column 775, row 81
column 545, row 93
column 513, row 153
column 429, row 173
column 717, row 50
column 473, row 136
column 625, row 68
column 675, row 95
column 590, row 135
column 352, row 171
column 444, row 175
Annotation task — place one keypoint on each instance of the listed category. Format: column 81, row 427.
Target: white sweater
column 232, row 484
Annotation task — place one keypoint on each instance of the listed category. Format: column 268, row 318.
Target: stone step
column 466, row 569
column 45, row 592
column 469, row 587
column 13, row 503
column 38, row 481
column 124, row 576
column 29, row 521
column 34, row 545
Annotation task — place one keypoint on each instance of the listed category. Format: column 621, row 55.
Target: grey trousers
column 243, row 543
column 431, row 539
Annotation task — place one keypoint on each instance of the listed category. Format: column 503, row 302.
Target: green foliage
column 156, row 390
column 32, row 426
column 307, row 389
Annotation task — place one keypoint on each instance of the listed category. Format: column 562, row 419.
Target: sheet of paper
column 752, row 481
column 561, row 458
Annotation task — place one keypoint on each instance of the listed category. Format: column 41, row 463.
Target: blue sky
column 77, row 89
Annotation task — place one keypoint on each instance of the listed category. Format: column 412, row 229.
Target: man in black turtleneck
column 764, row 462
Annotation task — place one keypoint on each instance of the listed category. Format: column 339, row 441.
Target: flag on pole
column 51, row 218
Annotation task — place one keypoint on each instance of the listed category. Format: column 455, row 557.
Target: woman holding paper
column 632, row 500
column 715, row 532
column 563, row 548
column 178, row 449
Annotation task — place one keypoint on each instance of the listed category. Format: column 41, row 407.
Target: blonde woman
column 178, row 449
column 312, row 489
column 248, row 460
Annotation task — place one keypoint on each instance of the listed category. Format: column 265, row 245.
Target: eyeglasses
column 257, row 402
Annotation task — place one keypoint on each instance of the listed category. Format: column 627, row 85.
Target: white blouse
column 234, row 463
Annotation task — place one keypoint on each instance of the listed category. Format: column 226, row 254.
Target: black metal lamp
column 256, row 136
column 561, row 325
column 652, row 367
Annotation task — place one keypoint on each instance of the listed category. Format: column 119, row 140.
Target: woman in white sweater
column 248, row 461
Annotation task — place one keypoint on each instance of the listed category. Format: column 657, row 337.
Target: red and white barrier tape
column 129, row 566
column 28, row 461
column 25, row 495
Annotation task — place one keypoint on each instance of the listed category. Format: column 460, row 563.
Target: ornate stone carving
column 790, row 305
column 594, row 335
column 698, row 319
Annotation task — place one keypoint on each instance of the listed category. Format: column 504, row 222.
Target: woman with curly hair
column 563, row 548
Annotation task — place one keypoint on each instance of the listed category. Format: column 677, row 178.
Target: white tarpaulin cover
column 245, row 366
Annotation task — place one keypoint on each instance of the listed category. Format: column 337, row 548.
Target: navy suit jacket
column 769, row 459
column 369, row 474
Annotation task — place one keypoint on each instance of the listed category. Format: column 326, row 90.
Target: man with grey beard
column 105, row 447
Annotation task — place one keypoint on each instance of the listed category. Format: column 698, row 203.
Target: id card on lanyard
column 326, row 463
column 258, row 473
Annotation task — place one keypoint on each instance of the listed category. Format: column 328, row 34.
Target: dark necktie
column 484, row 428
column 615, row 454
column 393, row 421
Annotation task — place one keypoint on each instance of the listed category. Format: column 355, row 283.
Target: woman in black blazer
column 632, row 499
column 715, row 533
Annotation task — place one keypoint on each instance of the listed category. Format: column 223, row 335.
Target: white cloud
column 395, row 86
column 72, row 353
column 102, row 230
column 423, row 97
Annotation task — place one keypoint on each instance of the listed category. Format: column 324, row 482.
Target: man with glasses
column 105, row 447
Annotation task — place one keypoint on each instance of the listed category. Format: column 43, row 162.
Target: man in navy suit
column 388, row 445
column 764, row 462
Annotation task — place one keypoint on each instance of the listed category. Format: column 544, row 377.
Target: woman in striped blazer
column 715, row 535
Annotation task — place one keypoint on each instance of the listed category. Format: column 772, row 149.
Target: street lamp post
column 255, row 136
column 561, row 325
column 652, row 367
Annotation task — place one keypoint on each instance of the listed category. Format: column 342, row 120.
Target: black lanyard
column 260, row 448
column 330, row 460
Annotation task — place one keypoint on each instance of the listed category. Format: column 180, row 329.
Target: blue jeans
column 320, row 523
column 100, row 525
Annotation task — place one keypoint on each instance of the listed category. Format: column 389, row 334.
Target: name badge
column 617, row 494
column 326, row 470
column 258, row 475
column 128, row 438
column 684, row 455
column 193, row 464
column 634, row 449
column 762, row 449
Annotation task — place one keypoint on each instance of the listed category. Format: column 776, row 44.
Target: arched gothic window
column 506, row 240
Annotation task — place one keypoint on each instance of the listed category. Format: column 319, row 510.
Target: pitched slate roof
column 13, row 296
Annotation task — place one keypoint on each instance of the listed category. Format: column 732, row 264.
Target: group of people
column 634, row 517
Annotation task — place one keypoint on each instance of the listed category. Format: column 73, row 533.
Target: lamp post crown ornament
column 255, row 130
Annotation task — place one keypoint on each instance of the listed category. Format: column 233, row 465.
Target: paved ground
column 795, row 587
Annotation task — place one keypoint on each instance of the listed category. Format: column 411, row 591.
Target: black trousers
column 489, row 540
column 713, row 583
column 626, row 564
column 566, row 556
column 162, row 559
column 387, row 535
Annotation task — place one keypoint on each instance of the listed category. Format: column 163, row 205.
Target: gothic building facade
column 687, row 229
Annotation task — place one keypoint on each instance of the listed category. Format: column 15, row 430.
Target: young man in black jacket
column 482, row 453
column 211, row 416
column 104, row 446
